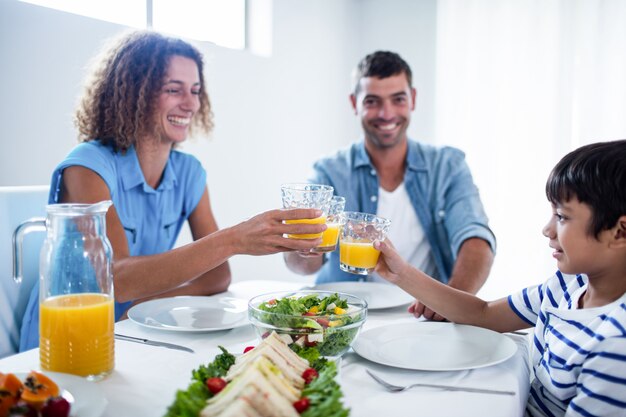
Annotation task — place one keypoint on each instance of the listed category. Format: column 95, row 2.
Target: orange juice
column 329, row 238
column 319, row 220
column 358, row 254
column 76, row 334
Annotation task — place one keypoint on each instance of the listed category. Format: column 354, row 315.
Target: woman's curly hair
column 119, row 101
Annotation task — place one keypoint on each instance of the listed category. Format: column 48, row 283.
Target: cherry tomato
column 309, row 375
column 308, row 313
column 301, row 405
column 248, row 349
column 215, row 385
column 56, row 407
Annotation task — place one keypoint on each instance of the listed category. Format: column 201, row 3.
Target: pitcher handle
column 36, row 224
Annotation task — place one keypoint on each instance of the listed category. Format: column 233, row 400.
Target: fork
column 400, row 388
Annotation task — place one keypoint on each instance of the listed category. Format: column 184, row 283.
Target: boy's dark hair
column 381, row 64
column 596, row 175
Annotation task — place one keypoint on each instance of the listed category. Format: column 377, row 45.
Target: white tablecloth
column 146, row 378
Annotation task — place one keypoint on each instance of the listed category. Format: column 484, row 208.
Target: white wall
column 274, row 116
column 407, row 27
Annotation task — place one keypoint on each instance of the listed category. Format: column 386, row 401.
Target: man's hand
column 303, row 263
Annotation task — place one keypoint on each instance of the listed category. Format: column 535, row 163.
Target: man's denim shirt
column 440, row 187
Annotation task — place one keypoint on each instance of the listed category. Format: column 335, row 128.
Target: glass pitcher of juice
column 76, row 301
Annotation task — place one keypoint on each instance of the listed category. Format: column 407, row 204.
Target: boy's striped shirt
column 578, row 355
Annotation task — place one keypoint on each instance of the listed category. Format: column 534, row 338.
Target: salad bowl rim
column 266, row 297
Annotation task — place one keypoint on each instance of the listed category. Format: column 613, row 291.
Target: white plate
column 86, row 397
column 434, row 346
column 191, row 313
column 378, row 295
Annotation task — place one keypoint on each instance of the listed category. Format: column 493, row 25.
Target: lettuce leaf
column 190, row 402
column 324, row 394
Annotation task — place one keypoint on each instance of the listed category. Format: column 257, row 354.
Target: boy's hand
column 390, row 264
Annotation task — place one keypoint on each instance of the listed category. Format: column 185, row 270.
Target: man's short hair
column 596, row 175
column 381, row 64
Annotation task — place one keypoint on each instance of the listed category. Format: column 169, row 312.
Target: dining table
column 146, row 378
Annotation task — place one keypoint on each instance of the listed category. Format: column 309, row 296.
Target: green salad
column 328, row 323
column 323, row 393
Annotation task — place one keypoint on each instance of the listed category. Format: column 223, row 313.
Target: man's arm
column 472, row 266
column 466, row 225
column 470, row 272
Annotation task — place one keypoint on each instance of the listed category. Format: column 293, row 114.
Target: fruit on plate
column 10, row 388
column 37, row 395
column 38, row 388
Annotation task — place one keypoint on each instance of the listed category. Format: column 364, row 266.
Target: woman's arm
column 202, row 223
column 139, row 277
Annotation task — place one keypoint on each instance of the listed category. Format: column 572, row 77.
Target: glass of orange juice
column 302, row 195
column 334, row 223
column 356, row 245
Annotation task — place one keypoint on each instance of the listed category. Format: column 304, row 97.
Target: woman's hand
column 264, row 233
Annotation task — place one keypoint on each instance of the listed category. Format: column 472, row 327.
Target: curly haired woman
column 145, row 97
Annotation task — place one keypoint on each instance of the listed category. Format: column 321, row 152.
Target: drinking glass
column 356, row 245
column 334, row 223
column 307, row 196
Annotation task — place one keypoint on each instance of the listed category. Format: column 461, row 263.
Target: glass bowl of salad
column 324, row 320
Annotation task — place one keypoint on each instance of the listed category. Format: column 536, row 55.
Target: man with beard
column 437, row 219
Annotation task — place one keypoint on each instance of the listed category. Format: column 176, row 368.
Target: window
column 222, row 22
column 219, row 21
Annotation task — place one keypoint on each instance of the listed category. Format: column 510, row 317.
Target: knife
column 152, row 342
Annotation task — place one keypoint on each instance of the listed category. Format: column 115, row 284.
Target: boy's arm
column 455, row 305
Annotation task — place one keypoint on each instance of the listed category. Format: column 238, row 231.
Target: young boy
column 579, row 345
